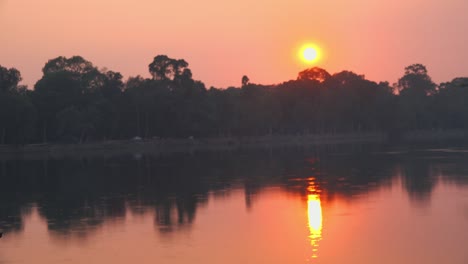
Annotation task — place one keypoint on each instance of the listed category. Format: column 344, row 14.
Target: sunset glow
column 314, row 213
column 245, row 34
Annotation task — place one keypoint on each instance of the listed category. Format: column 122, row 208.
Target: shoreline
column 168, row 146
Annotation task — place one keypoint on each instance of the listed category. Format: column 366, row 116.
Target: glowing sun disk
column 309, row 53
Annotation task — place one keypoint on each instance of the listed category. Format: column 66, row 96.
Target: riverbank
column 186, row 145
column 142, row 146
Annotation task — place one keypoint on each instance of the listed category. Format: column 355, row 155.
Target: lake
column 315, row 205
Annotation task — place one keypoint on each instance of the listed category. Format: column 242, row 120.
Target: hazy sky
column 225, row 39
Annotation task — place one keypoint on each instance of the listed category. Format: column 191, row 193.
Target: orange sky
column 223, row 40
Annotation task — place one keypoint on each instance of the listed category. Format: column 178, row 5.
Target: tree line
column 76, row 102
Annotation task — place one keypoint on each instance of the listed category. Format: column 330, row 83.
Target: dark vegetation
column 75, row 102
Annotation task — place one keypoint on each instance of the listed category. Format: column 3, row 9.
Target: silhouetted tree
column 76, row 102
column 73, row 89
column 9, row 79
column 416, row 81
column 164, row 68
column 315, row 73
column 415, row 101
column 245, row 80
column 17, row 114
column 450, row 107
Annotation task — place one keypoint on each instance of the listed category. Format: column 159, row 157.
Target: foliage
column 75, row 102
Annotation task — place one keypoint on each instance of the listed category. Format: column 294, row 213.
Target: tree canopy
column 75, row 102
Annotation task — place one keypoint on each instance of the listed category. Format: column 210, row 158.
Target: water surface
column 282, row 206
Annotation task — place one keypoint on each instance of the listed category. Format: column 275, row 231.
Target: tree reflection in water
column 80, row 195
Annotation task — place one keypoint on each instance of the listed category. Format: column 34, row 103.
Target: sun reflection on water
column 314, row 213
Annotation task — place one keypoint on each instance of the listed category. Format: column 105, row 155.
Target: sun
column 309, row 53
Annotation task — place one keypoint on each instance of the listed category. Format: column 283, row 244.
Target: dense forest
column 76, row 102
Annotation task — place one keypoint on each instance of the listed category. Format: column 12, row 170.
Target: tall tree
column 416, row 81
column 245, row 80
column 416, row 89
column 9, row 79
column 164, row 68
column 74, row 87
column 17, row 115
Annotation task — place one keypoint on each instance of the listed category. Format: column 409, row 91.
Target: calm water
column 291, row 206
